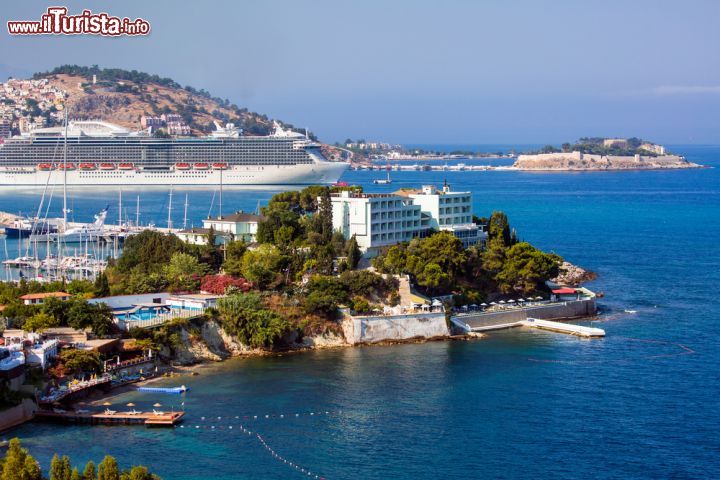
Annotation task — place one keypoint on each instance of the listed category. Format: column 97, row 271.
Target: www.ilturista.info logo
column 57, row 22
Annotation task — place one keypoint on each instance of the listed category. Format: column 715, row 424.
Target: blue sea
column 640, row 403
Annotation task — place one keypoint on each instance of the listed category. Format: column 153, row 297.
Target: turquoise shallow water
column 641, row 403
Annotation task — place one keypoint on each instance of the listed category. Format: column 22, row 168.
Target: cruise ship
column 100, row 153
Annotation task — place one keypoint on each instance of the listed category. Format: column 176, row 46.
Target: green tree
column 184, row 271
column 353, row 253
column 81, row 361
column 434, row 279
column 234, row 252
column 108, row 469
column 244, row 316
column 82, row 315
column 60, row 468
column 263, row 265
column 18, row 464
column 526, row 267
column 102, row 286
column 40, row 322
column 89, row 471
column 138, row 473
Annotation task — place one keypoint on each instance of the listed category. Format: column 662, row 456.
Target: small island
column 597, row 153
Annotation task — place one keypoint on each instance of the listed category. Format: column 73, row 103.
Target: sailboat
column 383, row 181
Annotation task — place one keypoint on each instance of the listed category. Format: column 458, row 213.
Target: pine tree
column 353, row 253
column 75, row 475
column 60, row 468
column 102, row 286
column 89, row 472
column 108, row 469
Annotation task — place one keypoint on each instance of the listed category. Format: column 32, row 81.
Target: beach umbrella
column 502, row 302
column 157, row 405
column 538, row 297
column 131, row 404
column 107, row 404
column 521, row 299
column 493, row 303
column 483, row 304
column 511, row 301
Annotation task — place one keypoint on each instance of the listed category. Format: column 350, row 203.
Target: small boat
column 220, row 166
column 45, row 166
column 383, row 181
column 107, row 166
column 126, row 166
column 87, row 166
column 202, row 166
column 183, row 166
column 172, row 390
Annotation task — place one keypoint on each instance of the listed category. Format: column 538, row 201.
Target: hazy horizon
column 525, row 72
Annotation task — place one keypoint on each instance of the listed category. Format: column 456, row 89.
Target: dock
column 578, row 330
column 149, row 419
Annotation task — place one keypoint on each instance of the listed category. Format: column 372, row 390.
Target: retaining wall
column 381, row 328
column 555, row 311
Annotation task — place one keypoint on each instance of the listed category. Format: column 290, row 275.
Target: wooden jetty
column 149, row 419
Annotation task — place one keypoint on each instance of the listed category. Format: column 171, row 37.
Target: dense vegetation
column 18, row 464
column 76, row 312
column 441, row 266
column 594, row 145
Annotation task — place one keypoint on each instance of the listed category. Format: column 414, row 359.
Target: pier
column 578, row 330
column 149, row 419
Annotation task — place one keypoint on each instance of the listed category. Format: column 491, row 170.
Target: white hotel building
column 382, row 219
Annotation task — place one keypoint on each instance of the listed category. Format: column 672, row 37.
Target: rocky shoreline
column 576, row 161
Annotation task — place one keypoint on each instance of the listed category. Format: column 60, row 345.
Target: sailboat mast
column 169, row 221
column 185, row 213
column 65, row 169
column 221, row 192
column 137, row 212
column 120, row 209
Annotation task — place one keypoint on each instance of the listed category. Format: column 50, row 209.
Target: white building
column 448, row 211
column 376, row 220
column 236, row 226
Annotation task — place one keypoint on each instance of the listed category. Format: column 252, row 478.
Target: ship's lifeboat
column 87, row 166
column 183, row 166
column 126, row 166
column 202, row 166
column 107, row 166
column 66, row 166
column 45, row 166
column 220, row 166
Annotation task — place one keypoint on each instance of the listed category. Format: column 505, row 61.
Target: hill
column 124, row 96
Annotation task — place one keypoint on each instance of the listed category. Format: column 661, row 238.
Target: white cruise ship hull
column 238, row 175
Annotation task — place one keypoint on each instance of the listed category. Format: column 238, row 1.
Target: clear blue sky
column 451, row 71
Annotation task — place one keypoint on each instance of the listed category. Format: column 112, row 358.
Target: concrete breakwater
column 554, row 311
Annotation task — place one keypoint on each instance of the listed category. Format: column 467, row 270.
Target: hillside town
column 29, row 104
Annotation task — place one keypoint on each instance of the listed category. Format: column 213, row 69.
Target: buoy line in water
column 273, row 416
column 684, row 350
column 242, row 429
